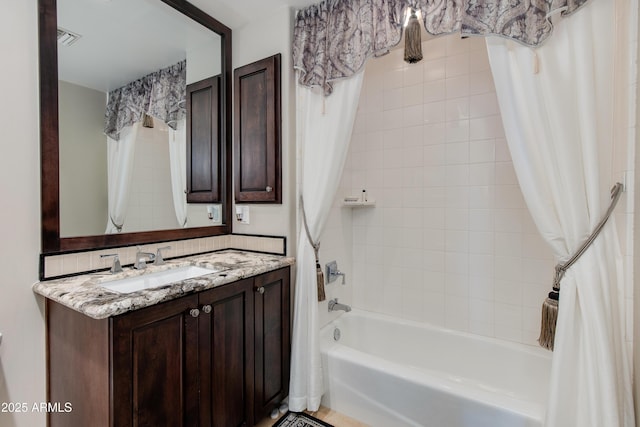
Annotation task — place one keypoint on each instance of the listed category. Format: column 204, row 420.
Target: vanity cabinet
column 257, row 132
column 216, row 358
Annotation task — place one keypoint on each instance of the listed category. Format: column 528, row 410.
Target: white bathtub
column 389, row 372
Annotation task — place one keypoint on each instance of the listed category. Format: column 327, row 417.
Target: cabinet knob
column 260, row 290
column 269, row 189
column 206, row 308
column 194, row 312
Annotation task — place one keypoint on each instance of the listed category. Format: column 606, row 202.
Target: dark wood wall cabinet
column 257, row 132
column 205, row 169
column 216, row 358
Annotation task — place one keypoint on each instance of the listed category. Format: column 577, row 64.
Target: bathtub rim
column 517, row 346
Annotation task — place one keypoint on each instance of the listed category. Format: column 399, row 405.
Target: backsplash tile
column 80, row 262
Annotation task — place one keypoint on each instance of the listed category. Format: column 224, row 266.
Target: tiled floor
column 324, row 414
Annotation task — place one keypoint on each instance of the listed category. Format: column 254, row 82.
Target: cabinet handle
column 206, row 308
column 194, row 312
column 260, row 290
column 269, row 189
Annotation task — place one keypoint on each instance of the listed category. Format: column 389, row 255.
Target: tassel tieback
column 316, row 250
column 549, row 320
column 412, row 40
column 550, row 305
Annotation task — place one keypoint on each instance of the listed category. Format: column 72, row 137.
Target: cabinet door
column 226, row 355
column 154, row 361
column 78, row 367
column 272, row 340
column 204, row 144
column 257, row 122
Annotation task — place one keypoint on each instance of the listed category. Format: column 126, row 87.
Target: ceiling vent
column 66, row 37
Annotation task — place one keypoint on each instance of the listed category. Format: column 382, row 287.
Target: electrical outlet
column 242, row 214
column 214, row 212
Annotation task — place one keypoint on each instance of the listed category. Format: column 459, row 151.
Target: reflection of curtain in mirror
column 120, row 156
column 178, row 162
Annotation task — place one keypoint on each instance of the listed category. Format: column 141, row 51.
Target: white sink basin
column 154, row 280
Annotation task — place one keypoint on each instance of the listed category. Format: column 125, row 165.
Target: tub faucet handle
column 333, row 272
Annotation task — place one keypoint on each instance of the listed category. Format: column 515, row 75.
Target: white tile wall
column 450, row 241
column 151, row 200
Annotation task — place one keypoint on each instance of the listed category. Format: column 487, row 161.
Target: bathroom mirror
column 121, row 41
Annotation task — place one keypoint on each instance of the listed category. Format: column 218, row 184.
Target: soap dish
column 358, row 203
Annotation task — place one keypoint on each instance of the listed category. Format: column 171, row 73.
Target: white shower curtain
column 325, row 126
column 178, row 164
column 559, row 124
column 120, row 156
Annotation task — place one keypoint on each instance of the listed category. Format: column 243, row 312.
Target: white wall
column 203, row 62
column 258, row 40
column 83, row 160
column 22, row 352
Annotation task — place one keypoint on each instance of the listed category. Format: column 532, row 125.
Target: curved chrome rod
column 616, row 190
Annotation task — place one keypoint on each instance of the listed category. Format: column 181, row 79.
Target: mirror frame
column 49, row 141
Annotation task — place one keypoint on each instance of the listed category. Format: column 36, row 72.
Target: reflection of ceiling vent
column 66, row 37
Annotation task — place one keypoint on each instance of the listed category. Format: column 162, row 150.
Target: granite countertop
column 84, row 293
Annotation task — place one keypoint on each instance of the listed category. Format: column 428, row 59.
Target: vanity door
column 272, row 341
column 154, row 365
column 226, row 355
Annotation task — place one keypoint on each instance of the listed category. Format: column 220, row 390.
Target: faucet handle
column 116, row 267
column 332, row 272
column 159, row 259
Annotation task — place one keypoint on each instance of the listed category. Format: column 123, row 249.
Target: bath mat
column 300, row 419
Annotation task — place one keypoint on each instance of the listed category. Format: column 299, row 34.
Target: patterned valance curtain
column 161, row 94
column 333, row 39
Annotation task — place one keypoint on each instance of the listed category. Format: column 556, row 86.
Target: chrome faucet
column 334, row 305
column 116, row 267
column 142, row 258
